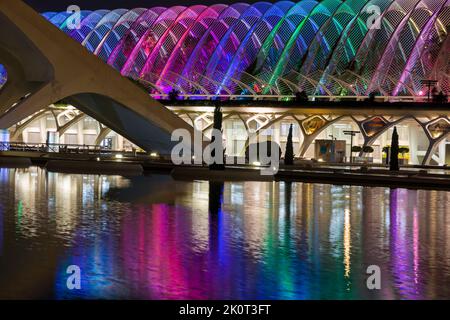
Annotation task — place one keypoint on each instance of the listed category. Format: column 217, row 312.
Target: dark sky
column 61, row 5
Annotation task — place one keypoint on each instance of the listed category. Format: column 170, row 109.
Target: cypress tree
column 393, row 163
column 218, row 119
column 289, row 154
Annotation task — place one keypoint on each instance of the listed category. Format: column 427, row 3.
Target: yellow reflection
column 258, row 224
column 347, row 242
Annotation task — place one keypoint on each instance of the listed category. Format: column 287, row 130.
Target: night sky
column 61, row 5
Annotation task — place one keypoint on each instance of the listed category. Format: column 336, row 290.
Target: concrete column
column 413, row 132
column 43, row 129
column 276, row 127
column 441, row 149
column 119, row 142
column 80, row 132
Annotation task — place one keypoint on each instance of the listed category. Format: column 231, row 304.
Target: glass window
column 285, row 129
column 34, row 137
column 89, row 139
column 90, row 124
column 50, row 122
column 70, row 138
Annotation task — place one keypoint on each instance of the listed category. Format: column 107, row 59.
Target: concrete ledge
column 385, row 178
column 15, row 162
column 382, row 178
column 203, row 173
column 94, row 167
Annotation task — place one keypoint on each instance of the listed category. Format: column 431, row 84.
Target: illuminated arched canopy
column 329, row 47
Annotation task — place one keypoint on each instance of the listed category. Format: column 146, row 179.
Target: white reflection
column 200, row 218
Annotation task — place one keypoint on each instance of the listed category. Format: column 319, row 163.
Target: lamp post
column 351, row 133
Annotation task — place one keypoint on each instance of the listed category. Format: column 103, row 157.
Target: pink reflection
column 155, row 255
column 404, row 245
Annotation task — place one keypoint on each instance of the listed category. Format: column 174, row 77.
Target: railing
column 62, row 148
column 290, row 98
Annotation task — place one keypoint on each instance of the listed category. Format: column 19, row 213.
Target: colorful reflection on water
column 151, row 237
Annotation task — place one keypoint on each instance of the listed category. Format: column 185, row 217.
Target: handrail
column 291, row 97
column 59, row 148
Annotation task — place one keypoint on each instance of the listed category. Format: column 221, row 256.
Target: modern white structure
column 424, row 132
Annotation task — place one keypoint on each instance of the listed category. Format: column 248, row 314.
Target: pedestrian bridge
column 44, row 66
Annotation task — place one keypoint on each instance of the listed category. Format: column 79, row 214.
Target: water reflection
column 153, row 238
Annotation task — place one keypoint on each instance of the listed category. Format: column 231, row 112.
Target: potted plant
column 386, row 151
column 368, row 149
column 403, row 151
column 355, row 149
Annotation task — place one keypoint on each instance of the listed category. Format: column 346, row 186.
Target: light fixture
column 119, row 156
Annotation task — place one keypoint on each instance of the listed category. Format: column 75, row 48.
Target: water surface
column 151, row 237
